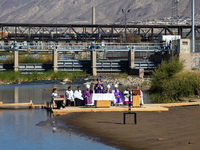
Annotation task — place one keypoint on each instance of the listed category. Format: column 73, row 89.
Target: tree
column 131, row 38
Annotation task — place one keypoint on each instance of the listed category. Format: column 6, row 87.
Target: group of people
column 78, row 99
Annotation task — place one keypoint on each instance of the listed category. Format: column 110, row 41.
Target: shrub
column 131, row 38
column 164, row 72
column 182, row 84
column 167, row 85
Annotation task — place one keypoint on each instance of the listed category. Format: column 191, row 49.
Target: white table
column 102, row 96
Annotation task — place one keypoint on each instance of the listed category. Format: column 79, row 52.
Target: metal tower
column 175, row 11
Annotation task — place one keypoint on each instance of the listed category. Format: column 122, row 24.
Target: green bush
column 182, row 84
column 164, row 72
column 166, row 85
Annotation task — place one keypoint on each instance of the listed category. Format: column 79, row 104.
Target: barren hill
column 80, row 11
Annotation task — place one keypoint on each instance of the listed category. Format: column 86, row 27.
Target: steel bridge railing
column 151, row 47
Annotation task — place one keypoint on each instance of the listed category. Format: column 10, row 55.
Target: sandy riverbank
column 176, row 129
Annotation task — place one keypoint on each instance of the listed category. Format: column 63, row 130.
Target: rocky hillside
column 79, row 11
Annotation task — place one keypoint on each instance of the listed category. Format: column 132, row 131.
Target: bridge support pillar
column 131, row 58
column 55, row 60
column 132, row 70
column 16, row 95
column 16, row 61
column 93, row 63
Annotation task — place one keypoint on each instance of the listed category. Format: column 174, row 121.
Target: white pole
column 193, row 27
column 93, row 17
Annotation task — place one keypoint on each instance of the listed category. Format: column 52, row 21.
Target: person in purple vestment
column 86, row 95
column 118, row 95
column 108, row 89
column 99, row 87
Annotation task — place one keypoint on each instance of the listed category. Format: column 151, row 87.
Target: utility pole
column 175, row 11
column 193, row 26
column 125, row 13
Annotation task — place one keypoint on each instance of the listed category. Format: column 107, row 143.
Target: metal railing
column 64, row 47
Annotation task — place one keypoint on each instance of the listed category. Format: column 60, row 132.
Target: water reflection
column 18, row 131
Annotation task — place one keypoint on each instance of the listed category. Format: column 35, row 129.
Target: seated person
column 108, row 89
column 78, row 97
column 126, row 96
column 54, row 94
column 118, row 95
column 141, row 96
column 69, row 95
column 99, row 87
column 87, row 94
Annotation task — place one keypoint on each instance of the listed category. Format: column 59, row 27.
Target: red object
column 61, row 96
column 127, row 102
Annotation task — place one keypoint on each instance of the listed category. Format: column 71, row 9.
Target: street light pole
column 125, row 27
column 193, row 26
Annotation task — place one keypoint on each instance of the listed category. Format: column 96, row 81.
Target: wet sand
column 177, row 129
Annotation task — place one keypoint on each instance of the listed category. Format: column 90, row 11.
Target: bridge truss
column 82, row 32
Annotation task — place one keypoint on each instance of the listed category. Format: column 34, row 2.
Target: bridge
column 87, row 32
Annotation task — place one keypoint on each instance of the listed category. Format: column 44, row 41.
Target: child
column 59, row 104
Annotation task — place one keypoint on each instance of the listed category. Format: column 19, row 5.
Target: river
column 18, row 126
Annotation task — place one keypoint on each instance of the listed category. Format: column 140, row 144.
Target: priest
column 99, row 87
column 118, row 95
column 108, row 89
column 87, row 95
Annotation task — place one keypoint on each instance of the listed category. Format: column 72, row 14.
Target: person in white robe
column 78, row 96
column 69, row 97
column 126, row 96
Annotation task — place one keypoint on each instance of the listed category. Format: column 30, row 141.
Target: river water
column 18, row 131
column 18, row 128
